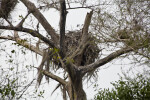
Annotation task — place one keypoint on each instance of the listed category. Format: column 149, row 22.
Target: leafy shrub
column 131, row 89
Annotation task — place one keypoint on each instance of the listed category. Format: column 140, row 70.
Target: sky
column 107, row 73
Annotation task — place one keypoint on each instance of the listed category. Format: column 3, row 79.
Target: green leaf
column 13, row 93
column 13, row 51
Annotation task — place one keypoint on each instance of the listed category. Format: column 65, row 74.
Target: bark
column 62, row 23
column 63, row 89
column 76, row 93
column 75, row 86
column 24, row 44
column 32, row 32
column 105, row 60
column 40, row 68
column 52, row 76
column 85, row 36
column 23, row 20
column 32, row 8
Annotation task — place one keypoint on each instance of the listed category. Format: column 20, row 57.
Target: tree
column 7, row 87
column 80, row 53
column 137, row 88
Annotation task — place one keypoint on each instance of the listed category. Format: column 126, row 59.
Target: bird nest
column 89, row 54
column 72, row 40
column 6, row 6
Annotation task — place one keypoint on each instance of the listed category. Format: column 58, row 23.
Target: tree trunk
column 79, row 93
column 75, row 87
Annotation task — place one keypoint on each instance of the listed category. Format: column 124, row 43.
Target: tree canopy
column 137, row 88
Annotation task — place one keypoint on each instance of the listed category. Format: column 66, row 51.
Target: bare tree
column 80, row 53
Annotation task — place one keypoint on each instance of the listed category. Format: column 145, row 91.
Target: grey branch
column 40, row 68
column 105, row 60
column 56, row 78
column 85, row 35
column 22, row 21
column 62, row 23
column 32, row 32
column 32, row 8
column 24, row 44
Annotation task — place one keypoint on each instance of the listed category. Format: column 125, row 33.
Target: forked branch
column 85, row 35
column 22, row 21
column 32, row 8
column 105, row 60
column 56, row 78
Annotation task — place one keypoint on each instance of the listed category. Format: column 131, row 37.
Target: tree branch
column 32, row 8
column 88, row 7
column 105, row 60
column 85, row 35
column 32, row 32
column 56, row 78
column 87, row 22
column 62, row 23
column 7, row 37
column 24, row 44
column 22, row 21
column 44, row 59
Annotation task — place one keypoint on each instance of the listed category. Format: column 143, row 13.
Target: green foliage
column 41, row 94
column 8, row 90
column 54, row 53
column 12, row 51
column 69, row 60
column 20, row 42
column 21, row 17
column 135, row 89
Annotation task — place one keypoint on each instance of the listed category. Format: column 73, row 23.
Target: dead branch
column 62, row 23
column 40, row 68
column 32, row 8
column 24, row 44
column 105, row 60
column 85, row 35
column 7, row 37
column 32, row 32
column 56, row 78
column 22, row 21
